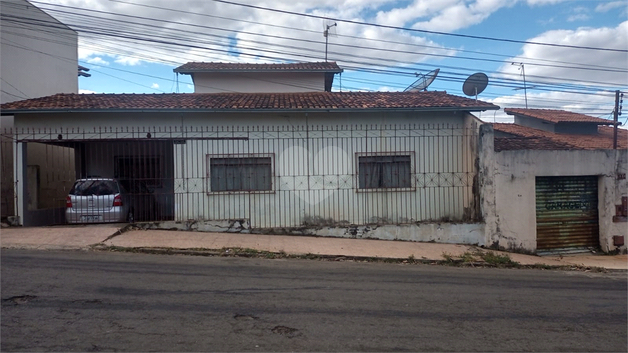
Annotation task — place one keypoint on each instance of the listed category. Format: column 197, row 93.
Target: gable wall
column 260, row 82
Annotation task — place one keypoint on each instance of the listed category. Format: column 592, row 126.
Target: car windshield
column 94, row 187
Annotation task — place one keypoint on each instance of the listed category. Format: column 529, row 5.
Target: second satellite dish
column 475, row 84
column 422, row 82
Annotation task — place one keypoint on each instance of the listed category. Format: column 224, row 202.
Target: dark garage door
column 566, row 212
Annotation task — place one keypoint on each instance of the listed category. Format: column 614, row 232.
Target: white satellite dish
column 422, row 82
column 475, row 84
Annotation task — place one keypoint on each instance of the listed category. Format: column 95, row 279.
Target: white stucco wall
column 259, row 82
column 514, row 191
column 37, row 59
column 324, row 151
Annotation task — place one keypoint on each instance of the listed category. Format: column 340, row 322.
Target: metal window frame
column 410, row 154
column 208, row 158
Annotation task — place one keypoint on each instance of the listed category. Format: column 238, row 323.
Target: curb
column 252, row 253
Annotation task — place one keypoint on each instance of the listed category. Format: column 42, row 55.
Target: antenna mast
column 525, row 88
column 326, row 35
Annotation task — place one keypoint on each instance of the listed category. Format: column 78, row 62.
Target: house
column 260, row 78
column 39, row 58
column 415, row 166
column 390, row 165
column 557, row 182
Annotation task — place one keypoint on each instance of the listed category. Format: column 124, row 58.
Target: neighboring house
column 394, row 165
column 39, row 58
column 260, row 78
column 557, row 182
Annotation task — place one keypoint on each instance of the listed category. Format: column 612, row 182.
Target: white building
column 260, row 78
column 336, row 163
column 39, row 57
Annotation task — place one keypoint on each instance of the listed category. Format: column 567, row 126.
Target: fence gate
column 566, row 212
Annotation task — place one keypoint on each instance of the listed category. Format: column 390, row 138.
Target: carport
column 48, row 162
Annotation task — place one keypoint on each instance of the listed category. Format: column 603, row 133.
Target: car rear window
column 95, row 187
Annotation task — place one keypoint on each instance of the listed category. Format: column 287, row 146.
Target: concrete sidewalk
column 83, row 237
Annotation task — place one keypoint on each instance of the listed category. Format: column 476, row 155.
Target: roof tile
column 248, row 67
column 249, row 101
column 523, row 137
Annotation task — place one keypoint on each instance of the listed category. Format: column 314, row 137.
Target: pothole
column 245, row 317
column 19, row 299
column 286, row 331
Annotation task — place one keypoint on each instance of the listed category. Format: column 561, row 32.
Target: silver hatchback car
column 97, row 200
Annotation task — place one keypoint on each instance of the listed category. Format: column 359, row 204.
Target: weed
column 494, row 259
column 467, row 257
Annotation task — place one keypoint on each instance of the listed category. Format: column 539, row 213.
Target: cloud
column 578, row 17
column 86, row 91
column 575, row 66
column 543, row 2
column 128, row 61
column 154, row 85
column 97, row 61
column 441, row 16
column 605, row 7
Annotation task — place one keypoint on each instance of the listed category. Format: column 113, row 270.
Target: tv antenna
column 475, row 84
column 422, row 82
column 525, row 88
column 327, row 33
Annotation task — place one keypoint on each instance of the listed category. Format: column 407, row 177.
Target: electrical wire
column 360, row 66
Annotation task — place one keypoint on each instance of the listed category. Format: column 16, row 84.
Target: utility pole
column 615, row 119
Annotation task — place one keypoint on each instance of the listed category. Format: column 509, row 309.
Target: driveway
column 58, row 237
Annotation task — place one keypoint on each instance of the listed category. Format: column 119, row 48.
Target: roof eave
column 244, row 110
column 557, row 122
column 194, row 71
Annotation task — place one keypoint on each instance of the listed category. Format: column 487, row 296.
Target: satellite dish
column 422, row 82
column 475, row 84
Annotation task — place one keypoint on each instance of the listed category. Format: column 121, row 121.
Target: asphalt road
column 95, row 301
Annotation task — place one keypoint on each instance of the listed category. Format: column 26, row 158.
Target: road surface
column 98, row 301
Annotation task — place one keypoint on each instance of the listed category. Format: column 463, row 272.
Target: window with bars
column 384, row 171
column 240, row 173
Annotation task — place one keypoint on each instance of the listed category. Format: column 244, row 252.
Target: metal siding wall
column 567, row 212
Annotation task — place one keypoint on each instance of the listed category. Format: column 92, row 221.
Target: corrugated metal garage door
column 566, row 212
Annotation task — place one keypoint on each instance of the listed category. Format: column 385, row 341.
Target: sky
column 549, row 54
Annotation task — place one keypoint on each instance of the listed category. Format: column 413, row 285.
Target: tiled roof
column 557, row 116
column 309, row 101
column 244, row 67
column 527, row 138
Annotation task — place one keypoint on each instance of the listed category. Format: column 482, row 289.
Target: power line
column 166, row 41
column 283, row 51
column 419, row 30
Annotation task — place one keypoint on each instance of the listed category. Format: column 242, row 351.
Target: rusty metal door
column 566, row 212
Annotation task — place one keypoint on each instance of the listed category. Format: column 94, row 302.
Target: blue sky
column 132, row 46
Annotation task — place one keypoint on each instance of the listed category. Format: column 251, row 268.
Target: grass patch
column 499, row 260
column 479, row 258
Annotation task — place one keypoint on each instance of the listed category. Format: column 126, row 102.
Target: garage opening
column 144, row 169
column 567, row 213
